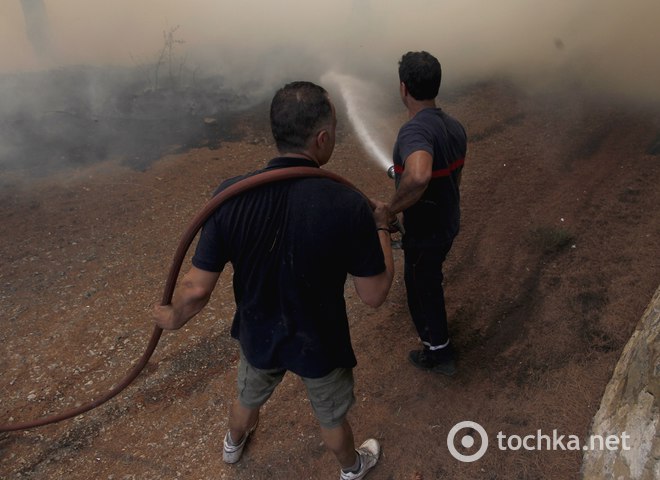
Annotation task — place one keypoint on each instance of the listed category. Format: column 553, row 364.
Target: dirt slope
column 556, row 261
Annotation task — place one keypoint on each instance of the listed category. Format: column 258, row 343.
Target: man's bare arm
column 190, row 297
column 414, row 180
column 373, row 290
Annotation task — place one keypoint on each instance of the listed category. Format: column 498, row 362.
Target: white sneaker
column 369, row 452
column 232, row 453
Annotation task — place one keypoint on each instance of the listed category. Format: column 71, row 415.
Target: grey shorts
column 331, row 396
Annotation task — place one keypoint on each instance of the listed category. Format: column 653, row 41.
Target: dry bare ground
column 556, row 261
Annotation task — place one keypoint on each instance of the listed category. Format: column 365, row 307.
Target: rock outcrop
column 631, row 406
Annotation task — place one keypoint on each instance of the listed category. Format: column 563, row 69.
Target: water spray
column 353, row 92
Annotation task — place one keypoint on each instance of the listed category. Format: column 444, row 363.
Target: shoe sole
column 446, row 370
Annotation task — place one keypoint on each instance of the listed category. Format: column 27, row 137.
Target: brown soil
column 556, row 261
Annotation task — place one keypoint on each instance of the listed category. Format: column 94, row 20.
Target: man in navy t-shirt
column 292, row 244
column 428, row 159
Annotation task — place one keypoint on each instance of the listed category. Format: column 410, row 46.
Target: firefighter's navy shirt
column 434, row 220
column 291, row 244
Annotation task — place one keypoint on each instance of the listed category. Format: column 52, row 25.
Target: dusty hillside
column 556, row 261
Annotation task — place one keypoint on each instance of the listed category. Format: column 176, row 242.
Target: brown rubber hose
column 187, row 238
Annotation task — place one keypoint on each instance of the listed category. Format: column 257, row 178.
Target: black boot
column 438, row 361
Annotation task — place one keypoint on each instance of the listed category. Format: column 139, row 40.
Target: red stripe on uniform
column 443, row 172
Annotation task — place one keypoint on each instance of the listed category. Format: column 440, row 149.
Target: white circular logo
column 467, row 441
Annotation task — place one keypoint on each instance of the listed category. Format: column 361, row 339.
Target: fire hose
column 187, row 238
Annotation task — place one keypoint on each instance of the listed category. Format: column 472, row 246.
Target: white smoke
column 606, row 46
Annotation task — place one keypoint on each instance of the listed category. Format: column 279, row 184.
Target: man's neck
column 304, row 155
column 416, row 106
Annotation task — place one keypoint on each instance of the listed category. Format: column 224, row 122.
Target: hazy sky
column 610, row 45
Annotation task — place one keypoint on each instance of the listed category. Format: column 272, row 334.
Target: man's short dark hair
column 421, row 73
column 298, row 109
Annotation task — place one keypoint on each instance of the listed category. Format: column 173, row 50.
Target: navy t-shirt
column 435, row 218
column 292, row 244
